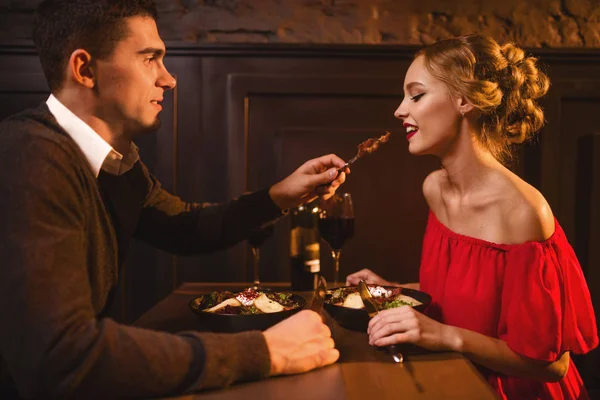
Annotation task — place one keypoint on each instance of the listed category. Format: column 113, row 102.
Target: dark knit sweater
column 63, row 234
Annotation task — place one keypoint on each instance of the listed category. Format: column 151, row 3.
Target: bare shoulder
column 432, row 188
column 531, row 218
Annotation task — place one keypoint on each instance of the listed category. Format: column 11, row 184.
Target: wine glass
column 336, row 225
column 256, row 239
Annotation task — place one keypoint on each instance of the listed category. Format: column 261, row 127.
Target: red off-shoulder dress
column 531, row 295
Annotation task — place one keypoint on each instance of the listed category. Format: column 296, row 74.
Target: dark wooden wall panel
column 245, row 116
column 587, row 237
column 285, row 130
column 22, row 83
column 316, row 115
column 571, row 109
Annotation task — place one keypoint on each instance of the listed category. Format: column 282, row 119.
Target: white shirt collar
column 97, row 151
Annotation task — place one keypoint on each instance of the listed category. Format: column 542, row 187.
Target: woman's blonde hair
column 501, row 82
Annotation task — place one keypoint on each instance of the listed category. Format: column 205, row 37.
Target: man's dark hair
column 63, row 26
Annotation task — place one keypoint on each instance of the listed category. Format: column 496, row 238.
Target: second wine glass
column 256, row 239
column 336, row 225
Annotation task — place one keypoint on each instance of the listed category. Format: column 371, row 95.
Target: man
column 73, row 192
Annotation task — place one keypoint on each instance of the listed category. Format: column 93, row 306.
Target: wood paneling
column 245, row 116
column 22, row 83
column 278, row 122
column 587, row 237
column 571, row 107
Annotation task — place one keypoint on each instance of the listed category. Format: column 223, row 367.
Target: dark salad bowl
column 357, row 319
column 231, row 323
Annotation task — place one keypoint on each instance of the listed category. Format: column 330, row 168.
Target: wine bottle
column 305, row 250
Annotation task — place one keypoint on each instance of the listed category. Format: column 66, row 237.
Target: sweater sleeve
column 175, row 226
column 51, row 341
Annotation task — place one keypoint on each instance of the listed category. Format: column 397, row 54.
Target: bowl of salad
column 345, row 305
column 249, row 309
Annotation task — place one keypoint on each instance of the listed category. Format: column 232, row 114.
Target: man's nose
column 166, row 80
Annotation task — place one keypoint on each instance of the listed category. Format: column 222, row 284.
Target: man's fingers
column 326, row 162
column 319, row 353
column 322, row 182
column 328, row 356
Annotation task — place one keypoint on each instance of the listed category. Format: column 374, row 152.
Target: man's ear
column 81, row 68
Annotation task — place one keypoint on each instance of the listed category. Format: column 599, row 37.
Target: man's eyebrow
column 155, row 51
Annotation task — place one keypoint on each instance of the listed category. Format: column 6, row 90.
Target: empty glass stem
column 336, row 266
column 256, row 257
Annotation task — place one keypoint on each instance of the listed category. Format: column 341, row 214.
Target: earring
column 462, row 113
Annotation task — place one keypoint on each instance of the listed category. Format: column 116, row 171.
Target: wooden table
column 362, row 372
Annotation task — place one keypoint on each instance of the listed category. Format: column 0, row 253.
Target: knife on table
column 319, row 296
column 373, row 310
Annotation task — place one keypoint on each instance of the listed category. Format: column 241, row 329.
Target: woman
column 507, row 289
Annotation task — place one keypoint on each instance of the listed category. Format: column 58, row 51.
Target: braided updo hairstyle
column 501, row 82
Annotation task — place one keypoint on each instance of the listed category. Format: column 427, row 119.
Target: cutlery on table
column 319, row 296
column 373, row 309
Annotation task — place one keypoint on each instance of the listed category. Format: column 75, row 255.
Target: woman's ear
column 80, row 68
column 464, row 106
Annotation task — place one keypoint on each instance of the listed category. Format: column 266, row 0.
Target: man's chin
column 155, row 125
column 148, row 128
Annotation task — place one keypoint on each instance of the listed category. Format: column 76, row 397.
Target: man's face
column 131, row 82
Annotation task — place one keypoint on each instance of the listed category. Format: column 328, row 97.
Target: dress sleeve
column 546, row 307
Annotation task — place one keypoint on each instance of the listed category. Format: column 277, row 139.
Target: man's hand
column 300, row 343
column 314, row 178
column 368, row 276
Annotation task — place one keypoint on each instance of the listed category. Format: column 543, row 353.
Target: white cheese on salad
column 229, row 302
column 353, row 300
column 379, row 291
column 266, row 305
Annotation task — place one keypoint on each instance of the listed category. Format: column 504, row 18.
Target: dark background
column 263, row 88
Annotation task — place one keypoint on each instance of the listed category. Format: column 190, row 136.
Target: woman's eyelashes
column 416, row 98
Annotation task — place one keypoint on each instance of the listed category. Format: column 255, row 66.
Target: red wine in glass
column 336, row 230
column 336, row 225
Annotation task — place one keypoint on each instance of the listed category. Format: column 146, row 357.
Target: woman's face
column 429, row 112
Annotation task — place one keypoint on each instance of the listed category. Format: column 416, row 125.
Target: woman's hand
column 368, row 276
column 406, row 325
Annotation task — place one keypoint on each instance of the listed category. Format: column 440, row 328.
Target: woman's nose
column 400, row 112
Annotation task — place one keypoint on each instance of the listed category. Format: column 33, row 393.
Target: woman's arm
column 406, row 325
column 411, row 285
column 371, row 277
column 496, row 355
